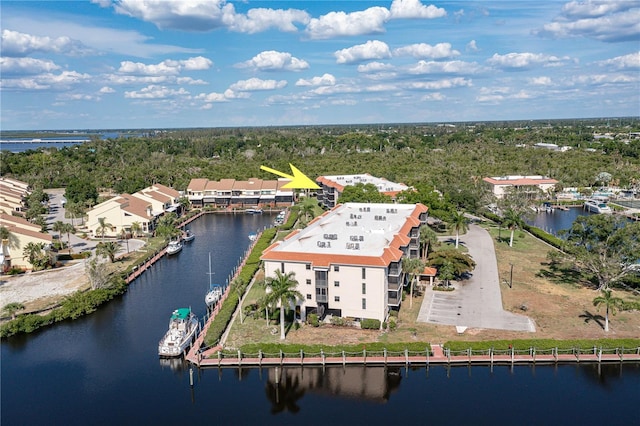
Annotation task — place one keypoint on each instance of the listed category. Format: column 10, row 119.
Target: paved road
column 476, row 302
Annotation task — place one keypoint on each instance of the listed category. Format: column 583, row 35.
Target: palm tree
column 124, row 236
column 282, row 291
column 108, row 249
column 69, row 229
column 307, row 208
column 103, row 226
column 58, row 227
column 459, row 224
column 12, row 309
column 428, row 238
column 512, row 220
column 5, row 234
column 413, row 267
column 136, row 229
column 34, row 252
column 611, row 303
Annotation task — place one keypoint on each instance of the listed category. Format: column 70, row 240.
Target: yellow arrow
column 298, row 181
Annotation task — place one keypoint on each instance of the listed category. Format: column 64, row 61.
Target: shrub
column 312, row 319
column 338, row 321
column 393, row 324
column 370, row 324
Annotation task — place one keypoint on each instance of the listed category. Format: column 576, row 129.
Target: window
column 282, row 267
column 308, row 296
column 336, row 268
column 364, row 273
column 364, row 288
column 336, row 298
column 308, row 266
column 308, row 281
column 364, row 303
column 336, row 283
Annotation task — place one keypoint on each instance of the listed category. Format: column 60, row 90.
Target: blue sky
column 215, row 63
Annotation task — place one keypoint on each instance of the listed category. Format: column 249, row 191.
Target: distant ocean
column 13, row 146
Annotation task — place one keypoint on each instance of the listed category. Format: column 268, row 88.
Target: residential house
column 21, row 233
column 333, row 186
column 348, row 262
column 13, row 195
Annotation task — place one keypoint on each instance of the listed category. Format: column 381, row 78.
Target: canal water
column 104, row 370
column 557, row 220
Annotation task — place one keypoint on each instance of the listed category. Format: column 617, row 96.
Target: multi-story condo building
column 348, row 262
column 333, row 186
column 239, row 193
column 531, row 185
column 13, row 194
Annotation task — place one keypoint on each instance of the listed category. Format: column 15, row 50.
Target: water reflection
column 287, row 385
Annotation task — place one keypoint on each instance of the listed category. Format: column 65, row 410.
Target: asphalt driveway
column 476, row 302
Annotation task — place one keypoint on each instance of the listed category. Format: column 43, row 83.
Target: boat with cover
column 597, row 206
column 215, row 291
column 188, row 236
column 253, row 210
column 183, row 327
column 174, row 247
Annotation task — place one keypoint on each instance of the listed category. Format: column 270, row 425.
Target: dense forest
column 452, row 158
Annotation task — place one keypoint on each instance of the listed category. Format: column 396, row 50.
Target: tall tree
column 36, row 255
column 307, row 208
column 459, row 224
column 428, row 239
column 167, row 226
column 461, row 262
column 611, row 303
column 605, row 246
column 282, row 291
column 447, row 272
column 512, row 220
column 136, row 229
column 412, row 267
column 363, row 193
column 103, row 225
column 108, row 249
column 69, row 229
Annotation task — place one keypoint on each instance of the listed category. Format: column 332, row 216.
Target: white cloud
column 106, row 89
column 271, row 60
column 437, row 96
column 255, row 84
column 167, row 67
column 424, row 50
column 336, row 24
column 472, row 46
column 515, row 61
column 212, row 97
column 374, row 66
column 541, row 81
column 15, row 43
column 62, row 81
column 372, row 49
column 208, row 15
column 610, row 21
column 22, row 66
column 440, row 84
column 191, row 81
column 156, row 92
column 630, row 61
column 450, row 67
column 415, row 9
column 324, row 80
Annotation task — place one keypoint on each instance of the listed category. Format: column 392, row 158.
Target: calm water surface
column 558, row 220
column 104, row 369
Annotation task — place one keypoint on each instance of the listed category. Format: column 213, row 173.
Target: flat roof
column 383, row 185
column 365, row 232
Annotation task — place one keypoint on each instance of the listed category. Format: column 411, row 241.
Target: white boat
column 253, row 236
column 254, row 210
column 188, row 236
column 215, row 291
column 183, row 326
column 174, row 247
column 597, row 206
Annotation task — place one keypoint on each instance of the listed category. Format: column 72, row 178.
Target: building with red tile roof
column 333, row 186
column 239, row 193
column 532, row 184
column 348, row 262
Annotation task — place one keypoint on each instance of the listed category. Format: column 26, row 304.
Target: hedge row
column 290, row 348
column 73, row 307
column 251, row 266
column 543, row 344
column 536, row 232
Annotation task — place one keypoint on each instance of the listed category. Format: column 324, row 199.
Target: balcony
column 394, row 298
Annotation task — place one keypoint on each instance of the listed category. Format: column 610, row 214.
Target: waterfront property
column 21, row 233
column 348, row 262
column 333, row 186
column 236, row 193
column 531, row 185
column 122, row 211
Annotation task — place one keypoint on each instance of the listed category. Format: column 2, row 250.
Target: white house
column 502, row 184
column 333, row 186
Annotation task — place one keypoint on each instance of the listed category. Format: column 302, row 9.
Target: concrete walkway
column 477, row 301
